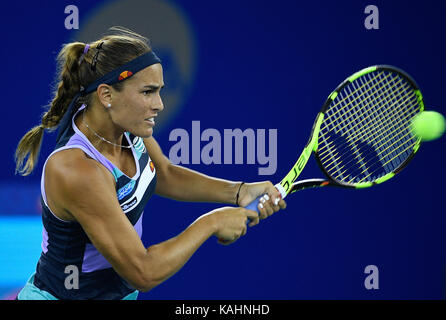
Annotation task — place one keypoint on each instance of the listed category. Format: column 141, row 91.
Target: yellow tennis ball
column 428, row 125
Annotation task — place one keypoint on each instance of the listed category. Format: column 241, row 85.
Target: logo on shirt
column 129, row 205
column 138, row 144
column 125, row 190
column 152, row 166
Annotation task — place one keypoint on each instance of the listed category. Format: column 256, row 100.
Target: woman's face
column 135, row 107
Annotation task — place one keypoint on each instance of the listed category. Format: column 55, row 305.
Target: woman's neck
column 99, row 129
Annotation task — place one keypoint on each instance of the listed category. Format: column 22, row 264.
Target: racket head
column 362, row 135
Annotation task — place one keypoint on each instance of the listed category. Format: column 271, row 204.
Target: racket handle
column 254, row 204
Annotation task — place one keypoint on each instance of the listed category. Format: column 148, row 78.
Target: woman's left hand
column 270, row 202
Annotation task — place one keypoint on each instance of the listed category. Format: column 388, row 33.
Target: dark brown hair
column 118, row 47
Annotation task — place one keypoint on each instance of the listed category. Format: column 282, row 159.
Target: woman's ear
column 104, row 95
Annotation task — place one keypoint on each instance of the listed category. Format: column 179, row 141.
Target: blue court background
column 259, row 64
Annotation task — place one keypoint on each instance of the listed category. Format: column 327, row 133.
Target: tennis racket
column 362, row 135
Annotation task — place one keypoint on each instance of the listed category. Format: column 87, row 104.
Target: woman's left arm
column 183, row 184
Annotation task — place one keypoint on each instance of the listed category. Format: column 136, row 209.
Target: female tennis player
column 105, row 167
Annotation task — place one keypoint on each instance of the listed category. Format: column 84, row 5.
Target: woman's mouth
column 150, row 120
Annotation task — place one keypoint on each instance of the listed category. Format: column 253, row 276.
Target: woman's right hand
column 231, row 223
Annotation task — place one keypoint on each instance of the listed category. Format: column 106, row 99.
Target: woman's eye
column 147, row 92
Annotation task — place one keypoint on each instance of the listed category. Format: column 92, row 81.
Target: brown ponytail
column 69, row 85
column 118, row 48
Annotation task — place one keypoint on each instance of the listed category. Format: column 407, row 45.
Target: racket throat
column 309, row 183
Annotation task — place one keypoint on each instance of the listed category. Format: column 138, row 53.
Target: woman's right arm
column 85, row 190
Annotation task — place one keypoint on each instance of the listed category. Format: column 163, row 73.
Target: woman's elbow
column 143, row 286
column 143, row 283
column 145, row 276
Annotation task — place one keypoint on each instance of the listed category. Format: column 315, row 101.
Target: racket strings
column 348, row 123
column 362, row 164
column 404, row 116
column 406, row 150
column 363, row 132
column 334, row 107
column 403, row 141
column 366, row 133
column 349, row 160
column 383, row 158
column 333, row 124
column 400, row 140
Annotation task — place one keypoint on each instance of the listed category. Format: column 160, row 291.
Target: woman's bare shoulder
column 71, row 161
column 72, row 169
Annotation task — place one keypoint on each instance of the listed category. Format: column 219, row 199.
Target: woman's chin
column 146, row 133
column 143, row 131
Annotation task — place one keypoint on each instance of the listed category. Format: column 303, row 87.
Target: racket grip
column 254, row 204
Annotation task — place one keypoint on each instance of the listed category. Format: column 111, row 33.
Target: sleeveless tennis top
column 65, row 245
